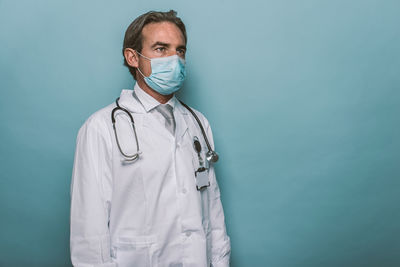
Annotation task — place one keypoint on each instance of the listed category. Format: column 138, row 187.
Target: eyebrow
column 182, row 47
column 159, row 43
column 167, row 45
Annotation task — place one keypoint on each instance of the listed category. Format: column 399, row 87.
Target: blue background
column 303, row 98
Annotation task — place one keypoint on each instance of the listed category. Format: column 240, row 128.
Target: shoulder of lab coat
column 97, row 121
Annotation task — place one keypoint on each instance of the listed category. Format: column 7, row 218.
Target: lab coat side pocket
column 135, row 251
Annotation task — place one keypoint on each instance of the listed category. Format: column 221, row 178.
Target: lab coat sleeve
column 220, row 242
column 90, row 238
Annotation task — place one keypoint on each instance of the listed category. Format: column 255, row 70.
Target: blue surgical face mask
column 167, row 74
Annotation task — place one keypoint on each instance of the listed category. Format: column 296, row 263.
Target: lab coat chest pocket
column 200, row 163
column 135, row 251
column 188, row 145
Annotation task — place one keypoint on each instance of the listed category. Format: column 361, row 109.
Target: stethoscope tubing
column 211, row 153
column 199, row 123
column 128, row 157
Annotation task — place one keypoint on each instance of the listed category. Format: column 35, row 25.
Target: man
column 147, row 195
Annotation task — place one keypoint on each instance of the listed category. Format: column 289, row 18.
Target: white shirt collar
column 149, row 102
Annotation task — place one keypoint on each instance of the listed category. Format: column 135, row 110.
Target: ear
column 131, row 57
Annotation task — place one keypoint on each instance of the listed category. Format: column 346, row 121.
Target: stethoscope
column 211, row 155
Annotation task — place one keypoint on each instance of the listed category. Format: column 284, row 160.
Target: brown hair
column 133, row 35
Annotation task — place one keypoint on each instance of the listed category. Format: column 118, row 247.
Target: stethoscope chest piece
column 212, row 156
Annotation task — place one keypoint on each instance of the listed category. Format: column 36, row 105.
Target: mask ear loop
column 145, row 58
column 141, row 73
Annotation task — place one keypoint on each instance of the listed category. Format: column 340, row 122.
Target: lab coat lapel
column 180, row 126
column 182, row 122
column 134, row 107
column 153, row 124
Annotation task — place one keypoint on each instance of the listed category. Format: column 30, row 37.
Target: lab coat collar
column 179, row 107
column 139, row 101
column 131, row 102
column 148, row 102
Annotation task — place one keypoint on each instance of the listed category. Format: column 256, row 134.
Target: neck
column 157, row 96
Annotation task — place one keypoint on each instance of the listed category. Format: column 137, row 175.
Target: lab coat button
column 184, row 190
column 188, row 234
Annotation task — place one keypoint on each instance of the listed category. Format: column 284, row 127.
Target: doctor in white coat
column 149, row 211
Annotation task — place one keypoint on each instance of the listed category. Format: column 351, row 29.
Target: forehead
column 166, row 32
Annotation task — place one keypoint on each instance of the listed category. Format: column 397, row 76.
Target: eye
column 160, row 49
column 181, row 52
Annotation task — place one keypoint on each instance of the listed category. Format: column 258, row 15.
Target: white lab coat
column 149, row 212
